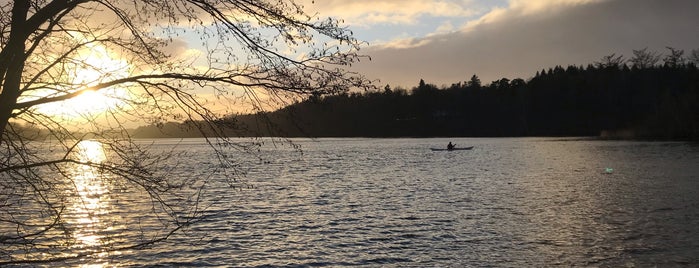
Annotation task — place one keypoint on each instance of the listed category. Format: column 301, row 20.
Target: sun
column 96, row 101
column 96, row 65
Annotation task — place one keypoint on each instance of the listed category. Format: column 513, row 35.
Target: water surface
column 395, row 203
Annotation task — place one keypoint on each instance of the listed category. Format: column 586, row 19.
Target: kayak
column 454, row 149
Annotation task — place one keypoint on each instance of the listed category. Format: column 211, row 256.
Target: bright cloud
column 364, row 13
column 405, row 43
column 524, row 8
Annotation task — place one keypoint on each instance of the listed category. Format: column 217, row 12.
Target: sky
column 447, row 41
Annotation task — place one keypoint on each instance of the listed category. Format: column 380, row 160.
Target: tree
column 643, row 58
column 387, row 89
column 80, row 72
column 422, row 85
column 675, row 58
column 610, row 62
column 518, row 83
column 694, row 57
column 502, row 83
column 474, row 82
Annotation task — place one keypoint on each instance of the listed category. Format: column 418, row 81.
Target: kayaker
column 450, row 146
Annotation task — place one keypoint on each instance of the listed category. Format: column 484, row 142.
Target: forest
column 648, row 96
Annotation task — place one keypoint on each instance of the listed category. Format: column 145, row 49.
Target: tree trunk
column 12, row 60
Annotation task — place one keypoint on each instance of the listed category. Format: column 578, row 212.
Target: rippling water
column 393, row 202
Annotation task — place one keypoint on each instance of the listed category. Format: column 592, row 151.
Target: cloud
column 523, row 8
column 405, row 43
column 527, row 36
column 177, row 47
column 446, row 27
column 364, row 13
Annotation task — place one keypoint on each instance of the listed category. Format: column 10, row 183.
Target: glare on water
column 91, row 151
column 91, row 202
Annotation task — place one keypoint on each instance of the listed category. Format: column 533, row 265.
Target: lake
column 508, row 202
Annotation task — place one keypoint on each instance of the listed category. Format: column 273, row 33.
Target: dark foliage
column 608, row 99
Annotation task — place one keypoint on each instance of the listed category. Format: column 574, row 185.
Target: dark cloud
column 518, row 45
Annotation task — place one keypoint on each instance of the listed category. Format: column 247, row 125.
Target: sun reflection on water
column 91, row 151
column 90, row 206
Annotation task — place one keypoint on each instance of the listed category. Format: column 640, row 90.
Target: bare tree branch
column 249, row 55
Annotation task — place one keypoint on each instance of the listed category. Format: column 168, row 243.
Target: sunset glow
column 96, row 66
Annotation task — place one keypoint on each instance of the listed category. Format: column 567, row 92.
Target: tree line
column 649, row 95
